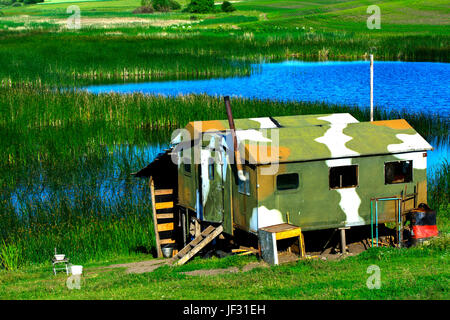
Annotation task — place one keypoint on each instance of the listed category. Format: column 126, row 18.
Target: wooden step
column 200, row 246
column 162, row 192
column 197, row 244
column 163, row 205
column 165, row 226
column 168, row 215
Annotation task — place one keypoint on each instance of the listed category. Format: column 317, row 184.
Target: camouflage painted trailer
column 312, row 171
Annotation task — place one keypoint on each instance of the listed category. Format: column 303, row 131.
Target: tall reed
column 139, row 54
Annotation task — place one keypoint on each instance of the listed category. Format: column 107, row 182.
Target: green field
column 419, row 273
column 417, row 17
column 60, row 150
column 37, row 46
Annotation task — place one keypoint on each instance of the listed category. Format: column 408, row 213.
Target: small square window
column 343, row 177
column 287, row 181
column 185, row 162
column 398, row 172
column 244, row 186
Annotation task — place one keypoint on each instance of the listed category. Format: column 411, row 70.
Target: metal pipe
column 343, row 242
column 371, row 87
column 376, row 216
column 399, row 223
column 376, row 220
column 371, row 220
column 237, row 156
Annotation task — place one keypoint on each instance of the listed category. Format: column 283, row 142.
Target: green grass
column 399, row 16
column 439, row 195
column 66, row 59
column 40, row 107
column 37, row 50
column 418, row 273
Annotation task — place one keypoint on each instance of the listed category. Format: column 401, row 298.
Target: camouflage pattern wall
column 309, row 146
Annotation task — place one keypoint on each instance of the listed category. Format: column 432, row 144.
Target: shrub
column 145, row 9
column 32, row 1
column 201, row 6
column 165, row 5
column 149, row 6
column 5, row 3
column 174, row 5
column 227, row 7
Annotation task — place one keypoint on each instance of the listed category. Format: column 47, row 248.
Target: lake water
column 416, row 86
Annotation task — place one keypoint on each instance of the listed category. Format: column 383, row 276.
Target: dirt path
column 102, row 22
column 213, row 272
column 151, row 265
column 142, row 266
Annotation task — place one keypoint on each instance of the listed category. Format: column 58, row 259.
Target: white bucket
column 76, row 270
column 59, row 257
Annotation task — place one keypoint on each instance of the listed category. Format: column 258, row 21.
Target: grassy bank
column 34, row 108
column 115, row 45
column 66, row 159
column 398, row 16
column 418, row 273
column 67, row 58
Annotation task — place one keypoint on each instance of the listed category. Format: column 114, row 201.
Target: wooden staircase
column 163, row 217
column 193, row 247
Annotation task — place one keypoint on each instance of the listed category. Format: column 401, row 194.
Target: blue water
column 416, row 86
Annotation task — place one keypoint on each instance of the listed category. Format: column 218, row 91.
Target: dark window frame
column 185, row 166
column 246, row 184
column 397, row 162
column 347, row 187
column 211, row 173
column 185, row 163
column 288, row 189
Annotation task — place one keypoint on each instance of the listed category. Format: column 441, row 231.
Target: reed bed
column 439, row 187
column 71, row 188
column 41, row 107
column 66, row 158
column 65, row 58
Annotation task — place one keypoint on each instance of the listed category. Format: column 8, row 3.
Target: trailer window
column 398, row 172
column 187, row 168
column 343, row 177
column 244, row 186
column 287, row 181
column 186, row 162
column 211, row 171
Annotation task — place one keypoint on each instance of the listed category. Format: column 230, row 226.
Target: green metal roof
column 335, row 140
column 313, row 137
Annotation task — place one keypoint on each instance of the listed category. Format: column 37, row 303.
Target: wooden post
column 155, row 221
column 343, row 241
column 198, row 228
column 371, row 87
column 183, row 222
